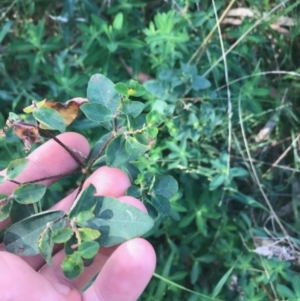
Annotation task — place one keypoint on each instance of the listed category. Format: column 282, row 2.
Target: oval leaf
column 116, row 152
column 88, row 249
column 134, row 108
column 126, row 223
column 5, row 206
column 16, row 167
column 87, row 234
column 166, row 186
column 101, row 90
column 22, row 238
column 161, row 204
column 46, row 244
column 72, row 266
column 62, row 235
column 85, row 201
column 29, row 193
column 50, row 119
column 121, row 88
column 96, row 112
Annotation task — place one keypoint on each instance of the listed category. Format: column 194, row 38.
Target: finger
column 55, row 274
column 29, row 285
column 49, row 159
column 125, row 274
column 108, row 182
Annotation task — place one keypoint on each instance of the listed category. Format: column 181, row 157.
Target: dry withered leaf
column 28, row 133
column 68, row 110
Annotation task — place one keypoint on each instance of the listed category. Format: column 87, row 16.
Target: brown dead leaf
column 68, row 110
column 28, row 133
column 236, row 17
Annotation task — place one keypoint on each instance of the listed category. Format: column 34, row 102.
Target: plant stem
column 87, row 169
column 113, row 135
column 47, row 133
column 45, row 178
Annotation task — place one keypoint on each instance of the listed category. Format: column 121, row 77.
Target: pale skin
column 124, row 271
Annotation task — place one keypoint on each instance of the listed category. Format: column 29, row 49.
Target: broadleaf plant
column 93, row 221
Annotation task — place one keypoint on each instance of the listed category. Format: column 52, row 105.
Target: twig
column 45, row 178
column 63, row 146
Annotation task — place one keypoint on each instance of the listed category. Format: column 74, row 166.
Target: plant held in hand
column 93, row 221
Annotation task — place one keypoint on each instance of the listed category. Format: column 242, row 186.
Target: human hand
column 124, row 271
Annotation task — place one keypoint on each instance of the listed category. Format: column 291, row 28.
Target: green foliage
column 29, row 193
column 50, row 119
column 92, row 221
column 233, row 186
column 16, row 167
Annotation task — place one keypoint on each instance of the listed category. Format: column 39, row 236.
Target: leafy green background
column 49, row 49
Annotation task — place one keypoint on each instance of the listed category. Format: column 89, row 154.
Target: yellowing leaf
column 68, row 110
column 34, row 106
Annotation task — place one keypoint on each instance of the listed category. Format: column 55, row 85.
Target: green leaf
column 19, row 212
column 118, row 21
column 195, row 272
column 72, row 266
column 50, row 119
column 166, row 186
column 285, row 292
column 16, row 167
column 84, row 216
column 296, row 285
column 221, row 283
column 13, row 117
column 200, row 83
column 97, row 147
column 134, row 108
column 88, row 249
column 161, row 204
column 116, row 152
column 5, row 29
column 85, row 201
column 96, row 112
column 5, row 206
column 217, row 181
column 62, row 235
column 46, row 244
column 136, row 89
column 101, row 90
column 126, row 223
column 153, row 119
column 152, row 131
column 238, row 172
column 71, row 245
column 134, row 191
column 22, row 238
column 87, row 234
column 122, row 89
column 29, row 193
column 133, row 146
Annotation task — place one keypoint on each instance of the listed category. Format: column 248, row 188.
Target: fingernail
column 62, row 288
